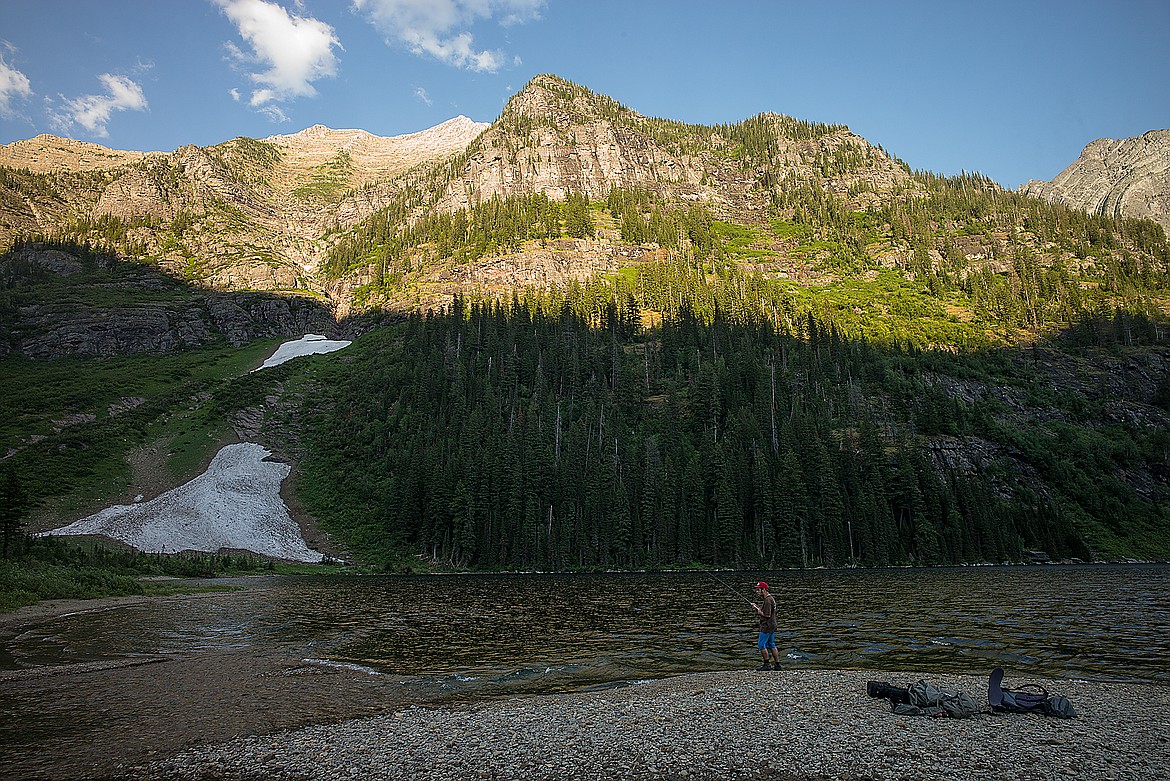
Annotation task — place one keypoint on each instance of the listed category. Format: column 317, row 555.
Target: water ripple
column 506, row 633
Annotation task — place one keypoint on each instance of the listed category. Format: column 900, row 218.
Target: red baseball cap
column 762, row 585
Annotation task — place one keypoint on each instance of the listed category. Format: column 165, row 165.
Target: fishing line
column 728, row 586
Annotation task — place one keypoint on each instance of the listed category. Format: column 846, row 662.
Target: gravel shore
column 726, row 725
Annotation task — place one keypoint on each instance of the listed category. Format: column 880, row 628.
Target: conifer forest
column 556, row 432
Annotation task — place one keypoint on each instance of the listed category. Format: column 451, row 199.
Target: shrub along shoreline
column 48, row 568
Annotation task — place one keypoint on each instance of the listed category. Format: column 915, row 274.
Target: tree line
column 552, row 432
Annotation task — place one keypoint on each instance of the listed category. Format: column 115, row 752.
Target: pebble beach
column 791, row 724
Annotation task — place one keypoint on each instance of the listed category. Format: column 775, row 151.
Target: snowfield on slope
column 309, row 344
column 235, row 504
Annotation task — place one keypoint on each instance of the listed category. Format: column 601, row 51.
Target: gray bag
column 1059, row 706
column 929, row 700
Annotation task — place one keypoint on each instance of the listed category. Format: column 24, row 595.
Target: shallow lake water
column 482, row 635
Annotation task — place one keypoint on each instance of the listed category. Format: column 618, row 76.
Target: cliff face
column 1129, row 177
column 554, row 139
column 558, row 138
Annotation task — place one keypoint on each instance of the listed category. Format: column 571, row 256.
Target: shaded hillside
column 67, row 300
column 119, row 380
column 559, row 431
column 524, row 437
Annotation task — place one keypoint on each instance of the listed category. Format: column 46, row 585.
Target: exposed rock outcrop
column 559, row 138
column 135, row 195
column 1129, row 177
column 46, row 153
column 61, row 330
column 131, row 309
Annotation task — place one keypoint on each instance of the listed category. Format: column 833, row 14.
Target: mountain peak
column 459, row 127
column 1119, row 177
column 44, row 153
column 563, row 88
column 318, row 132
column 457, row 130
column 549, row 80
column 558, row 102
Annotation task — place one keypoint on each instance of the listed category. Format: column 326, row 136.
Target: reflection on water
column 488, row 634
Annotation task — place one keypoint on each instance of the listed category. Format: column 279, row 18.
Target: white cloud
column 439, row 27
column 422, row 95
column 292, row 51
column 93, row 111
column 13, row 84
column 235, row 93
column 274, row 112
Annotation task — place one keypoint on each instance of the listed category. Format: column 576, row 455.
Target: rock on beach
column 786, row 725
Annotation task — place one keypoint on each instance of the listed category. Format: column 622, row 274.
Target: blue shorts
column 767, row 640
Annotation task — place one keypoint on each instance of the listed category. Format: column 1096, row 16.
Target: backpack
column 1026, row 698
column 929, row 700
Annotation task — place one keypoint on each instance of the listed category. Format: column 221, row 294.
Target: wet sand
column 89, row 720
column 86, row 720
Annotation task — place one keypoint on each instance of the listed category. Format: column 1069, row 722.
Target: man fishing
column 766, row 609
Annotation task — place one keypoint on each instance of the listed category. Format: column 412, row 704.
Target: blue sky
column 1011, row 89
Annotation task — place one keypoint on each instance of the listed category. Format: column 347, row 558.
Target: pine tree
column 14, row 503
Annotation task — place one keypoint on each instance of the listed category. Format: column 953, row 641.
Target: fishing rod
column 728, row 586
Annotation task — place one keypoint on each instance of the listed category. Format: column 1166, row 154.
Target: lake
column 484, row 635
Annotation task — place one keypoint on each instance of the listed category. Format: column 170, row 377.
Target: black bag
column 1059, row 706
column 887, row 691
column 1026, row 698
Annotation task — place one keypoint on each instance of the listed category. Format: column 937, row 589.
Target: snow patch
column 309, row 344
column 235, row 504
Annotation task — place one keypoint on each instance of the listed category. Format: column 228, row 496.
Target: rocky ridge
column 371, row 156
column 244, row 214
column 270, row 214
column 253, row 214
column 46, row 153
column 1127, row 177
column 559, row 138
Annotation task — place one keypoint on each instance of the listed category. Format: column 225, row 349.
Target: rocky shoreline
column 799, row 724
column 239, row 715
